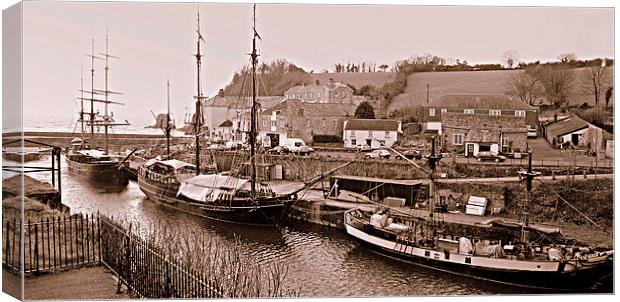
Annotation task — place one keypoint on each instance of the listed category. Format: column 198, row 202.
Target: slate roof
column 481, row 134
column 501, row 102
column 226, row 124
column 372, row 124
column 315, row 88
column 293, row 107
column 305, row 88
column 565, row 126
column 467, row 121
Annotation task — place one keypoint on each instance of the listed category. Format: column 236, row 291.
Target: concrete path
column 91, row 283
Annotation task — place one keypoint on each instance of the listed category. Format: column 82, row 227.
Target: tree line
column 553, row 81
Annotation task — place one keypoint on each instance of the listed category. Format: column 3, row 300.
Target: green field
column 478, row 82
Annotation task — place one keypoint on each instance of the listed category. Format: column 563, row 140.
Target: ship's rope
column 318, row 212
column 573, row 207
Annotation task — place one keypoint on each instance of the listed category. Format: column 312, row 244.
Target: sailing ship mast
column 106, row 118
column 92, row 89
column 254, row 57
column 82, row 102
column 168, row 117
column 199, row 96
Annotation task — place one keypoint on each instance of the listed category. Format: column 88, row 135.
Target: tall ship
column 84, row 160
column 223, row 196
column 514, row 253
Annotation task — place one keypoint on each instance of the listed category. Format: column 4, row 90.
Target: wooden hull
column 269, row 212
column 99, row 173
column 536, row 274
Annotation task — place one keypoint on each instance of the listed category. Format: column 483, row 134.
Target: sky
column 155, row 41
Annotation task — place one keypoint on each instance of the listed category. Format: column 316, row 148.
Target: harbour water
column 345, row 268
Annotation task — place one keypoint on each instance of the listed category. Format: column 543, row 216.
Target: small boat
column 25, row 154
column 518, row 254
column 541, row 266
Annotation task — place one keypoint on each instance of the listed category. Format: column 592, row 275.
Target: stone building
column 332, row 93
column 472, row 133
column 371, row 132
column 296, row 119
column 478, row 105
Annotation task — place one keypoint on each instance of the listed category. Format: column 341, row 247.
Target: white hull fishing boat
column 504, row 253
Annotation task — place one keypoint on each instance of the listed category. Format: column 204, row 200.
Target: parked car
column 278, row 150
column 410, row 154
column 233, row 145
column 364, row 148
column 488, row 155
column 304, row 150
column 216, row 147
column 378, row 154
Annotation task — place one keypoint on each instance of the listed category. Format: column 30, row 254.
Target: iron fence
column 67, row 242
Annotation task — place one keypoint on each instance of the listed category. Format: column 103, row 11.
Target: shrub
column 326, row 138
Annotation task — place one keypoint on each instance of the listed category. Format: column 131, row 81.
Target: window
column 457, row 139
column 353, row 142
column 274, row 124
column 323, row 122
column 495, row 112
column 520, row 113
column 468, row 111
column 369, row 133
column 505, row 145
column 431, row 112
column 265, row 123
column 387, row 134
column 308, row 124
column 444, row 110
column 335, row 124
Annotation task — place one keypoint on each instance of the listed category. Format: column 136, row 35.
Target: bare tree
column 510, row 58
column 567, row 57
column 383, row 67
column 526, row 86
column 556, row 81
column 593, row 82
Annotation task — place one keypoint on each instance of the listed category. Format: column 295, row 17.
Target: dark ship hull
column 573, row 275
column 264, row 211
column 102, row 173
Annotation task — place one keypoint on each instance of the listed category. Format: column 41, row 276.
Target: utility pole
column 427, row 92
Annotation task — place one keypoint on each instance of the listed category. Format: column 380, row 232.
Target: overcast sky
column 156, row 40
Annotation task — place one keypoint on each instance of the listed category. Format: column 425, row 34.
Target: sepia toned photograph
column 219, row 150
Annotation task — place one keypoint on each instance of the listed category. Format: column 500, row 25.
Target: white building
column 371, row 132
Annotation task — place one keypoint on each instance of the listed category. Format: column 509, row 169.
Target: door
column 470, row 150
column 575, row 139
column 274, row 139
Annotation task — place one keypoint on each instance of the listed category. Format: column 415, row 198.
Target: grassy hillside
column 357, row 79
column 477, row 82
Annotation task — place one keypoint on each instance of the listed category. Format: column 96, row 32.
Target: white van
column 296, row 145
